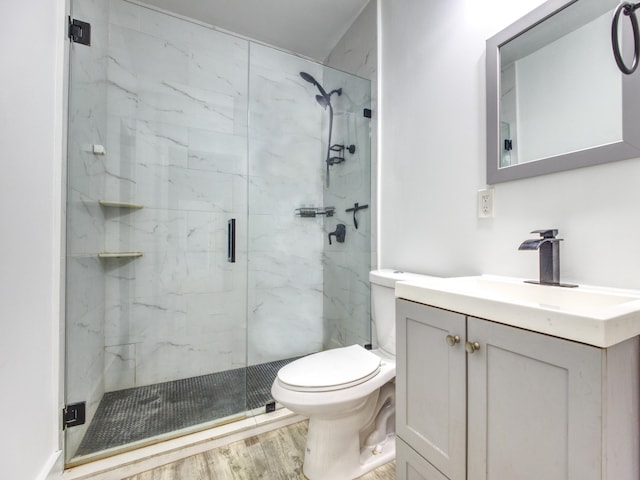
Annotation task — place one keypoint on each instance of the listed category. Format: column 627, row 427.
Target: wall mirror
column 555, row 97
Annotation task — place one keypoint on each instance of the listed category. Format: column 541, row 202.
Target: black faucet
column 549, row 247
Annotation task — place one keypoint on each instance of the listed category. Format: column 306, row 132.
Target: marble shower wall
column 177, row 133
column 285, row 172
column 346, row 290
column 346, row 274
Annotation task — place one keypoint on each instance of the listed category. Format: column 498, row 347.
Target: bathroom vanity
column 502, row 380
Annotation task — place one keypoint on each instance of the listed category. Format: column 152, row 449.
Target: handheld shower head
column 309, row 78
column 323, row 101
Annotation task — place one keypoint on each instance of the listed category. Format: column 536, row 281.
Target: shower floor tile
column 134, row 414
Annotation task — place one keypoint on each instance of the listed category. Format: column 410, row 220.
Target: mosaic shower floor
column 133, row 414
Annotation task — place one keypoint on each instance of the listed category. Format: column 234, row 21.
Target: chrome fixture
column 549, row 247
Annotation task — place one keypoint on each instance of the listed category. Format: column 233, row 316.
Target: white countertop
column 596, row 316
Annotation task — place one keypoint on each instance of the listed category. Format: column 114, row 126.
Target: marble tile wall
column 285, row 172
column 346, row 272
column 346, row 265
column 177, row 142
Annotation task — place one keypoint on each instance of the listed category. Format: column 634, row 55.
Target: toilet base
column 371, row 457
column 334, row 450
column 376, row 456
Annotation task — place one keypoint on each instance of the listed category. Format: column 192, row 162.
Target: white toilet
column 349, row 395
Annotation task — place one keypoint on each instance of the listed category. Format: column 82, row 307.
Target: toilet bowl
column 348, row 394
column 344, row 440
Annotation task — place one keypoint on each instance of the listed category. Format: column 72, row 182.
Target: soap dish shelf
column 310, row 212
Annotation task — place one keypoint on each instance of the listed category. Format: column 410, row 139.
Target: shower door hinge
column 79, row 31
column 74, row 414
column 367, row 113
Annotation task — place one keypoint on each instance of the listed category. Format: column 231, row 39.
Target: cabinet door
column 430, row 385
column 534, row 406
column 411, row 466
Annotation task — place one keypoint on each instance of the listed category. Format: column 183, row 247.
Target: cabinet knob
column 452, row 340
column 471, row 347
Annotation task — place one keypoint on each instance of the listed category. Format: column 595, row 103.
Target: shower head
column 308, row 77
column 323, row 101
column 313, row 81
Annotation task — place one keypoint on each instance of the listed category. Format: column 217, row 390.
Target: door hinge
column 73, row 414
column 367, row 113
column 79, row 31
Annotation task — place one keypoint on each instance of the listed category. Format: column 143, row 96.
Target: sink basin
column 597, row 316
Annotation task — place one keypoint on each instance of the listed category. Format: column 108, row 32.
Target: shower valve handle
column 339, row 233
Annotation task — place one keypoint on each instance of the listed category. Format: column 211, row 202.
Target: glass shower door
column 157, row 168
column 305, row 294
column 165, row 332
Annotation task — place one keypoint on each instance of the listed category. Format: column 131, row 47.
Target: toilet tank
column 383, row 305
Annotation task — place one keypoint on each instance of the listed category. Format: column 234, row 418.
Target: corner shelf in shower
column 126, row 206
column 113, row 204
column 107, row 255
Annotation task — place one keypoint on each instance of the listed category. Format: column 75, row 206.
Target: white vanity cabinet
column 514, row 404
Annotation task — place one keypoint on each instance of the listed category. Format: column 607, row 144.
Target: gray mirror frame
column 627, row 148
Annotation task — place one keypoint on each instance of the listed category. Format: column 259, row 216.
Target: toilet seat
column 330, row 370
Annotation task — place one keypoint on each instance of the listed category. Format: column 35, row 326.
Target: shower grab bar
column 311, row 212
column 231, row 240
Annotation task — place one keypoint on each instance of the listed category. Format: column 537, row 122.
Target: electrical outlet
column 485, row 203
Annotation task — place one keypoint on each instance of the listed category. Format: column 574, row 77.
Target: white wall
column 30, row 199
column 433, row 162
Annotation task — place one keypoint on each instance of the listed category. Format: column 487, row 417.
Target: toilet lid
column 330, row 370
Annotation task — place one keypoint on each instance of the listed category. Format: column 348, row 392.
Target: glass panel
column 155, row 343
column 305, row 295
column 347, row 303
column 164, row 335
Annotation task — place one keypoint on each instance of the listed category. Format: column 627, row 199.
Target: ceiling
column 307, row 27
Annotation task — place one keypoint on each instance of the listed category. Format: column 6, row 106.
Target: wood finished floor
column 273, row 455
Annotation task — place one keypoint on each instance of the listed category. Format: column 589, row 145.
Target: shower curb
column 146, row 458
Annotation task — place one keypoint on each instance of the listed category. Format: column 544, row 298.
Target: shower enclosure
column 191, row 274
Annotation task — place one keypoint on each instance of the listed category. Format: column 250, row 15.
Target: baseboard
column 52, row 470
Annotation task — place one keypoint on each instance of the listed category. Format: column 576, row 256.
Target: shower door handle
column 231, row 241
